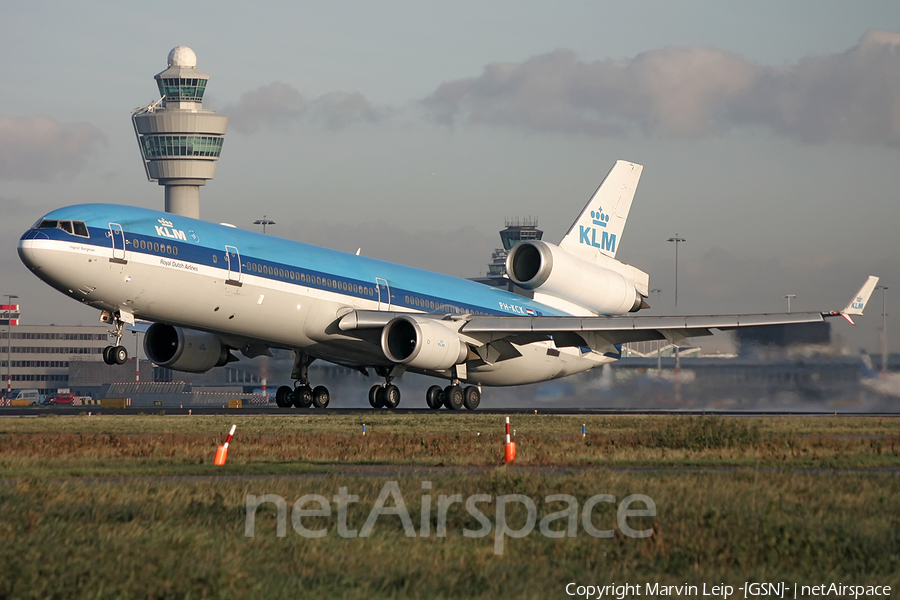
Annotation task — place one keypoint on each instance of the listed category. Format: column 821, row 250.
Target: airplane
column 212, row 289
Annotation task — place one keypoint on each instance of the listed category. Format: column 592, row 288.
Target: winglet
column 856, row 306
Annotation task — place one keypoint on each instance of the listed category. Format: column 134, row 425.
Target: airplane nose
column 26, row 248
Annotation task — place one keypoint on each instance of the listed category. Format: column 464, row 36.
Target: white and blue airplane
column 212, row 290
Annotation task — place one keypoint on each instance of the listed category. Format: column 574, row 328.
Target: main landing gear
column 454, row 396
column 302, row 395
column 386, row 395
column 115, row 355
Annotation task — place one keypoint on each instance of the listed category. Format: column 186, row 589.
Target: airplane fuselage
column 256, row 291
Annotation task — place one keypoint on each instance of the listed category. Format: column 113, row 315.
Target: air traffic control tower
column 180, row 141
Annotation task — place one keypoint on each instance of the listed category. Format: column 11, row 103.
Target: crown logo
column 599, row 218
column 165, row 223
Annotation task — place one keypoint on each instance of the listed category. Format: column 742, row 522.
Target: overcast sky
column 769, row 131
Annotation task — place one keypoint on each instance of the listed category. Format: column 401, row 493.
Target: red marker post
column 509, row 448
column 222, row 451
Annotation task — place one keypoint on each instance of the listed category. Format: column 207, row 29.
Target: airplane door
column 233, row 259
column 117, row 236
column 384, row 294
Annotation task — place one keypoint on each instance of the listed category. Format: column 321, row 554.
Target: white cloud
column 689, row 92
column 279, row 106
column 41, row 148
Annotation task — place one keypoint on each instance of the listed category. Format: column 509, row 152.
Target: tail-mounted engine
column 184, row 349
column 607, row 287
column 422, row 343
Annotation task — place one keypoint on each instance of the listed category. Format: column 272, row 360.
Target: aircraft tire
column 106, row 355
column 119, row 355
column 283, row 397
column 320, row 397
column 302, row 397
column 434, row 397
column 374, row 400
column 390, row 396
column 471, row 397
column 453, row 397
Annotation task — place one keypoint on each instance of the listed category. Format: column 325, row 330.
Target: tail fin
column 599, row 226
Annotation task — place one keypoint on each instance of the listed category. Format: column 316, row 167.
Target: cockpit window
column 74, row 227
column 80, row 229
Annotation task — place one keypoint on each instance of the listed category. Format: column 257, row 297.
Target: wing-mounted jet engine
column 185, row 350
column 422, row 343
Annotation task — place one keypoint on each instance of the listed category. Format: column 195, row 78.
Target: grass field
column 113, row 507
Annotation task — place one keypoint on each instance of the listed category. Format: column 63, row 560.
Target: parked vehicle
column 64, row 398
column 26, row 398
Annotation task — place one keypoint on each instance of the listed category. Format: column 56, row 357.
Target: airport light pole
column 264, row 221
column 676, row 239
column 9, row 299
column 137, row 357
column 789, row 296
column 658, row 291
column 883, row 289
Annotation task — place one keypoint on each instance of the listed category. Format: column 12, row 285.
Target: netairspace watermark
column 749, row 589
column 633, row 506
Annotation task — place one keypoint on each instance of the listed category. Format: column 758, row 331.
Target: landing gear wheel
column 374, row 400
column 106, row 355
column 283, row 397
column 302, row 397
column 471, row 397
column 320, row 396
column 434, row 397
column 453, row 397
column 390, row 396
column 119, row 355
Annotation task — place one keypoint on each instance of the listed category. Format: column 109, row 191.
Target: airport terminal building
column 50, row 357
column 39, row 356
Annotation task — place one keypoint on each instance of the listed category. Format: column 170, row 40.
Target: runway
column 16, row 411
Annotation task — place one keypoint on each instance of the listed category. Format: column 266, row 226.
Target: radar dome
column 182, row 56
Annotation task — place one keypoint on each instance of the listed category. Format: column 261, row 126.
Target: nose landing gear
column 114, row 355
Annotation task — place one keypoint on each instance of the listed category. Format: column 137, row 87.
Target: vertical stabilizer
column 599, row 227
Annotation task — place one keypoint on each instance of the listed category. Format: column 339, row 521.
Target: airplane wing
column 603, row 333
